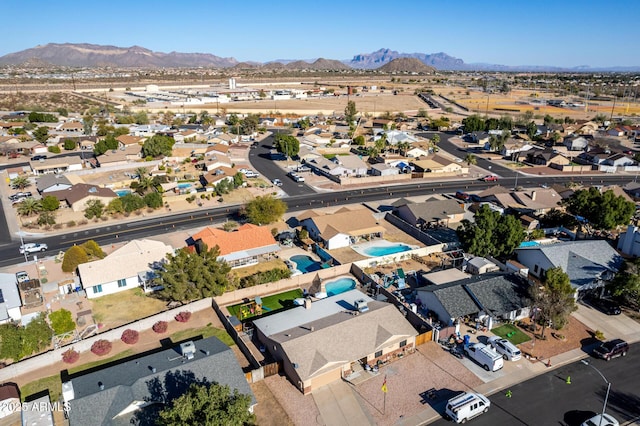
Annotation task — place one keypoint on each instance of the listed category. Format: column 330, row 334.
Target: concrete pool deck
column 362, row 248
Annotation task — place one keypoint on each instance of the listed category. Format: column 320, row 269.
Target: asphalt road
column 548, row 400
column 182, row 221
column 261, row 161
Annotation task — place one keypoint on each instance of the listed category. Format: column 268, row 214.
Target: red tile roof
column 247, row 237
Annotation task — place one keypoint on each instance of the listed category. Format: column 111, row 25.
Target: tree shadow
column 628, row 404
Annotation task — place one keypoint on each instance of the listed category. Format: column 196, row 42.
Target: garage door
column 326, row 378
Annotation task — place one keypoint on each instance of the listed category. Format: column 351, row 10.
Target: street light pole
column 21, row 234
column 606, row 398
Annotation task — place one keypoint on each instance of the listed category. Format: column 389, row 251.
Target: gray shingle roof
column 431, row 211
column 583, row 261
column 134, row 380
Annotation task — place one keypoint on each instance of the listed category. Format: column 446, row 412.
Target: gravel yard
column 301, row 409
column 429, row 367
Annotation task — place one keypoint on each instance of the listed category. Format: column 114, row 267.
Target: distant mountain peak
column 385, row 55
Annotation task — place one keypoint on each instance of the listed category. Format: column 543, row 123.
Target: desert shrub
column 270, row 276
column 160, row 327
column 183, row 316
column 101, row 347
column 61, row 321
column 70, row 356
column 130, row 337
column 74, row 257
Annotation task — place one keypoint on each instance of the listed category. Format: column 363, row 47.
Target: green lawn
column 505, row 330
column 52, row 383
column 205, row 332
column 272, row 303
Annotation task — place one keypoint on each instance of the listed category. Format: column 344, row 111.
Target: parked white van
column 467, row 406
column 485, row 356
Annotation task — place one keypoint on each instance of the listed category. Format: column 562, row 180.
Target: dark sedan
column 606, row 306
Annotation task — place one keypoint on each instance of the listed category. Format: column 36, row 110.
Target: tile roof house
column 10, row 301
column 78, row 195
column 217, row 175
column 128, row 267
column 431, row 212
column 588, row 263
column 546, row 157
column 487, row 297
column 318, row 343
column 121, row 156
column 342, row 165
column 243, row 247
column 128, row 390
column 342, row 228
column 126, row 140
column 56, row 165
column 536, row 201
column 439, row 165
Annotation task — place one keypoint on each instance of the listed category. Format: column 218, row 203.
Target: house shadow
column 437, row 398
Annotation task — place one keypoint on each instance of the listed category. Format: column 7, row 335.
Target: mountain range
column 93, row 55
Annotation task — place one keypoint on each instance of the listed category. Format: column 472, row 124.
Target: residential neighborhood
column 349, row 266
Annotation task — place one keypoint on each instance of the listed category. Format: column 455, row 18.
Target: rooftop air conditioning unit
column 361, row 305
column 188, row 349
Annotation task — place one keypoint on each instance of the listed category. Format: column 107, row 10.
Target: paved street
column 548, row 400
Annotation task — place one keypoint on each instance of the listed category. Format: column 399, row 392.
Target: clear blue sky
column 540, row 32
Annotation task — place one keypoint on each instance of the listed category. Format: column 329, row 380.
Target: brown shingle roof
column 81, row 190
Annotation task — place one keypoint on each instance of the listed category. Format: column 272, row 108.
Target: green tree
column 95, row 208
column 36, row 336
column 191, row 276
column 29, row 206
column 115, row 206
column 69, row 145
column 93, row 249
column 473, row 123
column 50, row 203
column 87, row 124
column 287, row 144
column 61, row 321
column 143, row 185
column 555, row 218
column 74, row 257
column 264, row 210
column 350, row 112
column 141, row 117
column 55, row 149
column 132, row 202
column 471, row 160
column 20, row 182
column 626, row 283
column 359, row 140
column 208, row 404
column 153, row 200
column 158, row 146
column 249, row 125
column 553, row 301
column 47, row 218
column 41, row 134
column 603, row 210
column 491, row 233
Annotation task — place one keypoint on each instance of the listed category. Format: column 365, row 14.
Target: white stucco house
column 10, row 304
column 126, row 268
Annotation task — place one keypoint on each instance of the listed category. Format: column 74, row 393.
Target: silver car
column 508, row 350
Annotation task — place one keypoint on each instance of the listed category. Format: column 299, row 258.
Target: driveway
column 339, row 405
column 613, row 326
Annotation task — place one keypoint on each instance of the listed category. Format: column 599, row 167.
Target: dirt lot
column 575, row 333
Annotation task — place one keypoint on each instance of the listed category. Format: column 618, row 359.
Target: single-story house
column 537, row 201
column 488, row 298
column 9, row 400
column 56, row 165
column 431, row 212
column 326, row 340
column 126, row 268
column 340, row 165
column 576, row 143
column 49, row 183
column 125, row 390
column 121, row 156
column 342, row 228
column 589, row 263
column 80, row 194
column 383, row 169
column 546, row 157
column 10, row 301
column 217, row 175
column 212, row 162
column 395, row 137
column 242, row 247
column 127, row 140
column 439, row 164
column 619, row 160
column 480, row 265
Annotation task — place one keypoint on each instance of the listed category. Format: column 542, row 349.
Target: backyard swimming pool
column 529, row 244
column 123, row 192
column 306, row 264
column 381, row 248
column 184, row 185
column 340, row 286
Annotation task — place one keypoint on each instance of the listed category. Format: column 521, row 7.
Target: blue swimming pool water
column 122, row 192
column 340, row 286
column 529, row 244
column 306, row 264
column 184, row 185
column 376, row 251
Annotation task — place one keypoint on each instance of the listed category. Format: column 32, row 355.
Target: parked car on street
column 277, row 182
column 508, row 350
column 611, row 349
column 33, row 248
column 296, row 177
column 462, row 196
column 38, row 157
column 601, row 420
column 489, row 178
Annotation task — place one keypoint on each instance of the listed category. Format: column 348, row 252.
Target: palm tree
column 141, row 171
column 143, row 185
column 435, row 139
column 471, row 160
column 29, row 206
column 20, row 182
